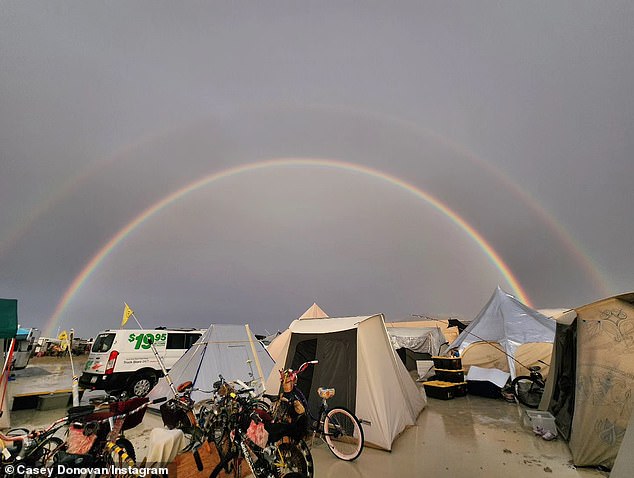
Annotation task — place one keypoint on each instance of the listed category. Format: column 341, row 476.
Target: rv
column 25, row 340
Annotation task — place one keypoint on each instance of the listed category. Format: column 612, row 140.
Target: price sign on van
column 143, row 341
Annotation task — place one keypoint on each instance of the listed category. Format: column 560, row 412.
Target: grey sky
column 516, row 115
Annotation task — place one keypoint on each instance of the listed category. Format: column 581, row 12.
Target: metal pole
column 168, row 379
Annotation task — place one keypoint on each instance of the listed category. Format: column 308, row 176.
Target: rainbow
column 157, row 207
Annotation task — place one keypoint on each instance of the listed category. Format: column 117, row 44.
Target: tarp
column 228, row 350
column 356, row 357
column 449, row 331
column 424, row 340
column 503, row 325
column 8, row 318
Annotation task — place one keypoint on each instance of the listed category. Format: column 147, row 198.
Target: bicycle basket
column 127, row 406
column 78, row 443
column 326, row 393
column 176, row 414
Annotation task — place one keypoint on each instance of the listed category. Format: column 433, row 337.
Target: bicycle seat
column 184, row 386
column 326, row 393
column 535, row 368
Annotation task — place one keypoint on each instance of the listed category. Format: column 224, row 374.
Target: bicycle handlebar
column 305, row 365
column 32, row 434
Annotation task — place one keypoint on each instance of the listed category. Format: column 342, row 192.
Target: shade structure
column 503, row 326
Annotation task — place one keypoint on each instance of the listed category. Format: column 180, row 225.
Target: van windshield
column 103, row 342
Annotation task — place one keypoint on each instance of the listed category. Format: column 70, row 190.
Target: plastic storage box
column 445, row 390
column 542, row 419
column 447, row 363
column 454, row 376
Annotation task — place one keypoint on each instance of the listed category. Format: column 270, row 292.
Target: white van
column 122, row 360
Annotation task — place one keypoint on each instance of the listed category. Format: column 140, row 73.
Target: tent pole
column 255, row 354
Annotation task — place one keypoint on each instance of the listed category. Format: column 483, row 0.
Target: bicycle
column 338, row 427
column 35, row 449
column 96, row 437
column 529, row 389
column 223, row 420
column 266, row 457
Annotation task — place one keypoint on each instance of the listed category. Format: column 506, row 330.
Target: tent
column 414, row 343
column 229, row 350
column 506, row 331
column 356, row 358
column 589, row 391
column 314, row 312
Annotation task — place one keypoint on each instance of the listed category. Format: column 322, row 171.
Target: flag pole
column 75, row 387
column 168, row 379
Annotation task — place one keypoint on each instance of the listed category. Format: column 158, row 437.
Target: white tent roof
column 228, row 350
column 314, row 312
column 505, row 320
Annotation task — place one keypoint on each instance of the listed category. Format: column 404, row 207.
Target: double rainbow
column 165, row 202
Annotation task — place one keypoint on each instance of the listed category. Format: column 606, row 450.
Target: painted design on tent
column 609, row 432
column 609, row 387
column 616, row 324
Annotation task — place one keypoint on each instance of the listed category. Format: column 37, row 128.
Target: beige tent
column 314, row 312
column 592, row 379
column 356, row 358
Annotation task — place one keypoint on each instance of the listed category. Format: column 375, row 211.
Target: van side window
column 191, row 340
column 103, row 343
column 176, row 341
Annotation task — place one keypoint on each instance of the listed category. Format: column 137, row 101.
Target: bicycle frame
column 33, row 441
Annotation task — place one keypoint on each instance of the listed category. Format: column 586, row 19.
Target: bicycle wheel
column 294, row 457
column 343, row 434
column 527, row 390
column 42, row 455
column 126, row 445
column 227, row 463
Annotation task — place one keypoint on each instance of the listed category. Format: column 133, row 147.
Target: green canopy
column 8, row 318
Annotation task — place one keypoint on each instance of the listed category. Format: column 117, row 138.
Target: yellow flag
column 127, row 312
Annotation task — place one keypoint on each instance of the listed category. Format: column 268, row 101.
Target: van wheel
column 140, row 385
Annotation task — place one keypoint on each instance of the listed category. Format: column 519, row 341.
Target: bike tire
column 42, row 456
column 224, row 465
column 527, row 391
column 127, row 446
column 296, row 458
column 343, row 434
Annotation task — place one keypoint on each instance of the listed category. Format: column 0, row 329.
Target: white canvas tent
column 500, row 332
column 314, row 312
column 229, row 350
column 356, row 358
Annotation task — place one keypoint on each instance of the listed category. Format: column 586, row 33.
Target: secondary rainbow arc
column 154, row 209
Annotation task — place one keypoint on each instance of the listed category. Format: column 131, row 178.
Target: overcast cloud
column 518, row 116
